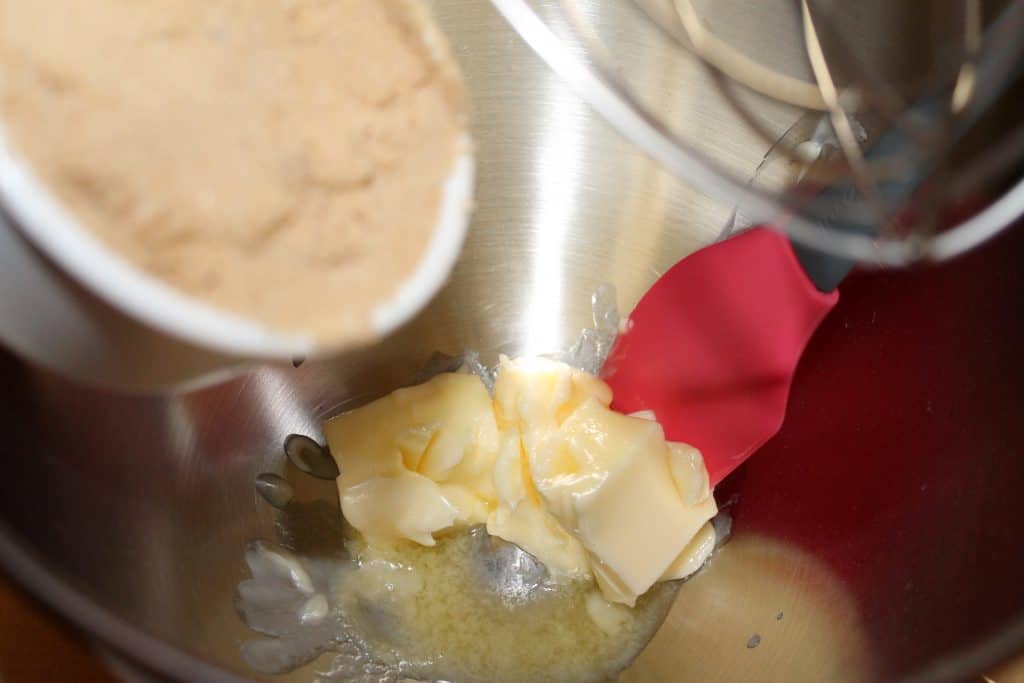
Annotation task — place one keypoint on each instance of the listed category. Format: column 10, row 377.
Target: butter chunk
column 412, row 443
column 405, row 506
column 611, row 586
column 599, row 442
column 608, row 616
column 546, row 463
column 435, row 443
column 636, row 522
column 512, row 480
column 473, row 509
column 443, row 429
column 632, row 500
column 689, row 473
column 696, row 552
column 542, row 393
column 537, row 532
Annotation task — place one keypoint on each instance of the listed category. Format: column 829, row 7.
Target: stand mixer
column 129, row 514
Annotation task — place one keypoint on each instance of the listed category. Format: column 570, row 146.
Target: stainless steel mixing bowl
column 877, row 537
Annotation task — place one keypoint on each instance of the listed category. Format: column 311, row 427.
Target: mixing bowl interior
column 874, row 538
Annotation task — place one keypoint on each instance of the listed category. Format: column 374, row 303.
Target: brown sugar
column 281, row 160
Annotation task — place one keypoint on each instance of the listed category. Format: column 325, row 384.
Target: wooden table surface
column 37, row 647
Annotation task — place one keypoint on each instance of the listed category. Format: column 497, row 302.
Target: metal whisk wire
column 912, row 141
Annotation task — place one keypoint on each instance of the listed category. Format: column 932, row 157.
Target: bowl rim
column 141, row 648
column 151, row 653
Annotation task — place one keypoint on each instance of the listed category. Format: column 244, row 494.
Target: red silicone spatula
column 715, row 342
column 713, row 345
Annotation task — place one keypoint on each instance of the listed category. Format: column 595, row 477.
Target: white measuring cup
column 71, row 304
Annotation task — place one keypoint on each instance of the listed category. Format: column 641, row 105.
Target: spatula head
column 712, row 347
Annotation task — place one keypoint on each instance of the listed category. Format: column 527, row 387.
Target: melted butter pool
column 426, row 610
column 432, row 614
